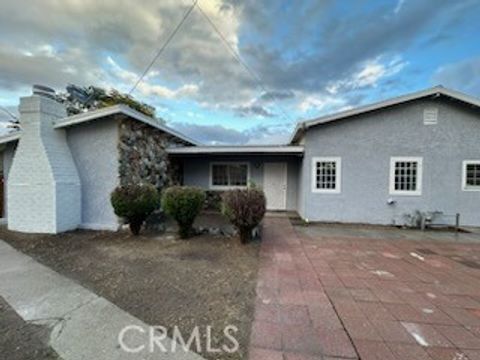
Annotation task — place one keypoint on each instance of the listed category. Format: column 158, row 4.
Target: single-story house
column 376, row 164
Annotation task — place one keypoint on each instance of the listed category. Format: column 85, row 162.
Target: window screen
column 229, row 175
column 472, row 174
column 326, row 175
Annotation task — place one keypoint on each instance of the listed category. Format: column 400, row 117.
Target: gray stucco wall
column 365, row 145
column 7, row 153
column 94, row 149
column 196, row 171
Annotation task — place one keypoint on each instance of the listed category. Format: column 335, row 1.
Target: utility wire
column 237, row 57
column 9, row 113
column 163, row 47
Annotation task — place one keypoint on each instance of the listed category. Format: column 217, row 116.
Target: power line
column 159, row 52
column 237, row 57
column 9, row 113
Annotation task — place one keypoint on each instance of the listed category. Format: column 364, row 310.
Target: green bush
column 183, row 203
column 135, row 203
column 213, row 200
column 245, row 209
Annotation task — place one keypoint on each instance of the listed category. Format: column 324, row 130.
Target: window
column 326, row 174
column 228, row 175
column 471, row 175
column 406, row 176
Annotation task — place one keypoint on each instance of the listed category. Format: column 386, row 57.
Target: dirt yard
column 204, row 281
column 21, row 340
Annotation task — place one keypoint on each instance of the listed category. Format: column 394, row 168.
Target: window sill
column 213, row 187
column 322, row 191
column 471, row 188
column 406, row 193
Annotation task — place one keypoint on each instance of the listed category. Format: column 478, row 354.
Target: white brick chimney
column 44, row 194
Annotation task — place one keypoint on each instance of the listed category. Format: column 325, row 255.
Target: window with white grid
column 326, row 174
column 228, row 175
column 471, row 175
column 406, row 176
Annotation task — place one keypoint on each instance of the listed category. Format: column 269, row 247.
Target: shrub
column 245, row 209
column 213, row 200
column 183, row 203
column 135, row 203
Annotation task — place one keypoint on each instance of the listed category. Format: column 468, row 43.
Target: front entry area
column 275, row 185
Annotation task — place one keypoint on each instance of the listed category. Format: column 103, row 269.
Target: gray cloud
column 211, row 134
column 438, row 39
column 7, row 113
column 252, row 110
column 344, row 43
column 19, row 70
column 463, row 76
column 277, row 95
column 214, row 134
column 127, row 32
column 265, row 134
column 312, row 44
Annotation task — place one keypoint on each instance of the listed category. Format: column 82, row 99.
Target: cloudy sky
column 307, row 58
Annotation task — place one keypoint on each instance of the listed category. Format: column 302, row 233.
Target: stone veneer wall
column 142, row 156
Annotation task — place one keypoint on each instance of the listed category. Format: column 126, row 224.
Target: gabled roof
column 237, row 150
column 119, row 110
column 11, row 136
column 434, row 91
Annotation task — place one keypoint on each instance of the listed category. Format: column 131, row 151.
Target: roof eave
column 122, row 110
column 237, row 150
column 437, row 90
column 297, row 133
column 13, row 136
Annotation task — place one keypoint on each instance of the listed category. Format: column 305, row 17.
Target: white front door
column 275, row 185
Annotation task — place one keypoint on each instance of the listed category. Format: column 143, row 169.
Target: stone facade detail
column 142, row 155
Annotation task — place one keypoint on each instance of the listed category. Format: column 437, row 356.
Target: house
column 59, row 171
column 375, row 164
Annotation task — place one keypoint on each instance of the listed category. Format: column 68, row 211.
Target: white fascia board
column 119, row 109
column 236, row 150
column 13, row 136
column 437, row 90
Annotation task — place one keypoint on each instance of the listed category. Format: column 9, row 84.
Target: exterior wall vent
column 430, row 116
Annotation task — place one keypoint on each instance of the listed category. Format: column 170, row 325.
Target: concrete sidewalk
column 84, row 325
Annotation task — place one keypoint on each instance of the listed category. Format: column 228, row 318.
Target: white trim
column 437, row 90
column 12, row 136
column 119, row 109
column 466, row 187
column 228, row 187
column 338, row 174
column 419, row 161
column 236, row 149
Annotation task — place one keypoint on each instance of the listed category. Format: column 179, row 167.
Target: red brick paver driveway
column 331, row 297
